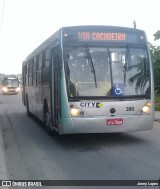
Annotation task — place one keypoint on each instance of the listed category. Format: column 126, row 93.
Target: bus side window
column 37, row 60
column 34, row 72
column 27, row 74
column 24, row 74
column 46, row 60
column 30, row 72
column 39, row 70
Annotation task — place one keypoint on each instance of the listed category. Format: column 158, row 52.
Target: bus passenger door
column 55, row 87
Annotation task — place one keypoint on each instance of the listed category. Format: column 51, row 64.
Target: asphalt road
column 32, row 154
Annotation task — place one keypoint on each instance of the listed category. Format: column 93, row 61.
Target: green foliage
column 157, row 35
column 157, row 102
column 156, row 70
column 155, row 55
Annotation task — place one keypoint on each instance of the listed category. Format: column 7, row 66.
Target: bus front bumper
column 99, row 125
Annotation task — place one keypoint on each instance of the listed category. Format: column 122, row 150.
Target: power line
column 2, row 14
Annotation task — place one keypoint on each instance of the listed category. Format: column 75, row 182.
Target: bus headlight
column 146, row 109
column 75, row 112
column 4, row 89
column 17, row 89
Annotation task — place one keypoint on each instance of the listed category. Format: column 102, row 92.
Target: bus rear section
column 10, row 85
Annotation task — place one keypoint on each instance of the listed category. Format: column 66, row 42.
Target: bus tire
column 47, row 120
column 27, row 106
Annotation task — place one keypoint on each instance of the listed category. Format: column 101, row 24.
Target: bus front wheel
column 47, row 121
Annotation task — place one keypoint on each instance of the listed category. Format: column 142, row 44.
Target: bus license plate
column 118, row 121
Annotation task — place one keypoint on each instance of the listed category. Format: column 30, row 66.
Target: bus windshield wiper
column 125, row 66
column 90, row 62
column 124, row 70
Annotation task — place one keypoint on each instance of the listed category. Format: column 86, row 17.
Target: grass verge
column 157, row 102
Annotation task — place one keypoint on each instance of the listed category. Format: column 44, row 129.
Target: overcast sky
column 27, row 23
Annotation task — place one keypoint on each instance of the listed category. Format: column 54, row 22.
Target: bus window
column 30, row 72
column 34, row 72
column 39, row 70
column 118, row 58
column 138, row 71
column 46, row 60
column 90, row 76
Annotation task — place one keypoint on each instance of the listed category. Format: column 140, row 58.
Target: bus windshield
column 10, row 83
column 106, row 71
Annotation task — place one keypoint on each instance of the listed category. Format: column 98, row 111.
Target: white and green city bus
column 91, row 79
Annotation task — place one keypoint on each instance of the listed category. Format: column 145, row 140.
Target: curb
column 3, row 165
column 157, row 119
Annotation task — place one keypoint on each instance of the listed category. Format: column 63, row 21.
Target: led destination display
column 102, row 36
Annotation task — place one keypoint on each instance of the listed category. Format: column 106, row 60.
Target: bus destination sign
column 101, row 36
column 105, row 36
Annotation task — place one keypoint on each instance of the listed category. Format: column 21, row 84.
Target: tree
column 157, row 35
column 155, row 55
